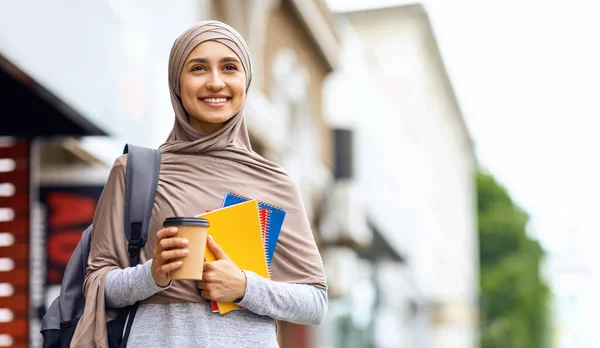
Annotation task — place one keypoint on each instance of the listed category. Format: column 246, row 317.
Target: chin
column 213, row 119
column 220, row 120
column 218, row 117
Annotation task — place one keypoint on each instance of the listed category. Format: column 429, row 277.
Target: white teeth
column 214, row 100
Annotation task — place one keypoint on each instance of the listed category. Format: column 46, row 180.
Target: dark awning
column 27, row 109
column 380, row 248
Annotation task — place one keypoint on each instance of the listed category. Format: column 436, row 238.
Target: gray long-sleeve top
column 194, row 324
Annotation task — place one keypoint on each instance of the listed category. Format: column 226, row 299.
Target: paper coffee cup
column 195, row 231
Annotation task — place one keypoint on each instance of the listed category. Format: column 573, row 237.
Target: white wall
column 414, row 160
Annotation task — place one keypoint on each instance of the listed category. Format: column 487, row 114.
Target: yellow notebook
column 237, row 230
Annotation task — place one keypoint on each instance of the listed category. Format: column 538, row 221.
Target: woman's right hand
column 167, row 248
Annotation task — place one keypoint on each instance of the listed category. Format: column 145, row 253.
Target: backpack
column 61, row 318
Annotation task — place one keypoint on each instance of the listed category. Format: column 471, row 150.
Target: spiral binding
column 264, row 226
column 241, row 199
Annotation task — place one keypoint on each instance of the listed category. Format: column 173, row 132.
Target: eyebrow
column 205, row 60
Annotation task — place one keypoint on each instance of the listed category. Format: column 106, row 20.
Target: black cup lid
column 185, row 221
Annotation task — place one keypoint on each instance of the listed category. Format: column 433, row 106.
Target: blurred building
column 401, row 240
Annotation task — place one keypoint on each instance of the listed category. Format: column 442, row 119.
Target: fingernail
column 184, row 251
column 211, row 238
column 185, row 241
column 173, row 229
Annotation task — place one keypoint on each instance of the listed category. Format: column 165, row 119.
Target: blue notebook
column 274, row 224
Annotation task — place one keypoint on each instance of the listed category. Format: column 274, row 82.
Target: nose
column 215, row 82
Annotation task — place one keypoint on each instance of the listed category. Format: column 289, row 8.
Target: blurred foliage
column 514, row 297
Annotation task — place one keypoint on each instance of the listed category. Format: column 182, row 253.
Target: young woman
column 207, row 155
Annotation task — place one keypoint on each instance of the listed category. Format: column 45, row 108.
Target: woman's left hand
column 222, row 280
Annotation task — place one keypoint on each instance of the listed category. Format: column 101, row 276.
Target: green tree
column 514, row 297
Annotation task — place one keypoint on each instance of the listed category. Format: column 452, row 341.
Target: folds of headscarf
column 197, row 170
column 184, row 136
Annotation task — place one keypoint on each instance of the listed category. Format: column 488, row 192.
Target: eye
column 197, row 68
column 230, row 67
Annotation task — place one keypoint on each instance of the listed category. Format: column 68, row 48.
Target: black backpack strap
column 143, row 166
column 141, row 179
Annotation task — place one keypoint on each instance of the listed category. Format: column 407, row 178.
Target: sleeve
column 124, row 287
column 296, row 303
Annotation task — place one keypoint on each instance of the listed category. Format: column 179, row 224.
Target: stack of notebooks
column 248, row 231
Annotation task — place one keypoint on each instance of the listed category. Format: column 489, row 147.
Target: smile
column 214, row 100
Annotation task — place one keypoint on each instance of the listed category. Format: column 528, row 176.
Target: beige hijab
column 197, row 170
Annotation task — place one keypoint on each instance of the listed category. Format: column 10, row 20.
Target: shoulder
column 289, row 183
column 273, row 166
column 119, row 166
column 121, row 162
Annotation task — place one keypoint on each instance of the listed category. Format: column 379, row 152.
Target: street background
column 445, row 151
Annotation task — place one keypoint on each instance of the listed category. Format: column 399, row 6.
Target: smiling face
column 212, row 86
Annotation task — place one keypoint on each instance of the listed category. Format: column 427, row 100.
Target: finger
column 170, row 267
column 208, row 266
column 166, row 233
column 205, row 294
column 207, row 277
column 216, row 249
column 173, row 254
column 172, row 243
